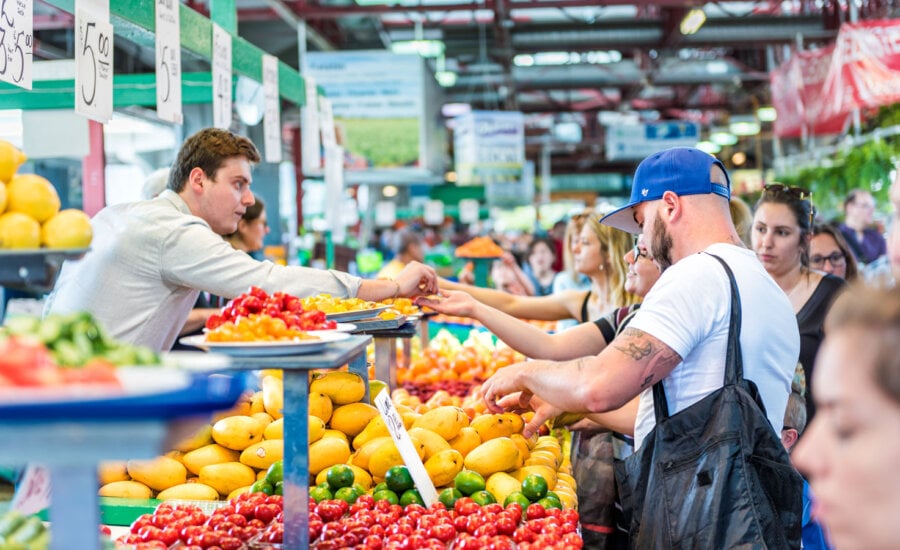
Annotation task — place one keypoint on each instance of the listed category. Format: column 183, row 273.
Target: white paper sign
column 385, row 213
column 221, row 75
column 168, row 61
column 272, row 120
column 334, row 192
column 16, row 37
column 32, row 491
column 310, row 139
column 434, row 212
column 327, row 115
column 468, row 210
column 93, row 66
column 394, row 424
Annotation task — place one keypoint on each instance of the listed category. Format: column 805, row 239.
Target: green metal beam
column 135, row 21
column 224, row 14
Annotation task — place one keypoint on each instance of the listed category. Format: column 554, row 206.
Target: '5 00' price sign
column 93, row 67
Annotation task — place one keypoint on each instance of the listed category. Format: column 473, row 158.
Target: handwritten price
column 101, row 64
column 12, row 51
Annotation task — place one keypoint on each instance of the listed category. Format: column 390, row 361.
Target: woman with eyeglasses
column 782, row 229
column 829, row 252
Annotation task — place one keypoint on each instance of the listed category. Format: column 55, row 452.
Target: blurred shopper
column 742, row 217
column 781, row 234
column 569, row 278
column 864, row 239
column 252, row 228
column 407, row 247
column 829, row 252
column 509, row 277
column 150, row 259
column 851, row 450
column 894, row 246
column 539, row 267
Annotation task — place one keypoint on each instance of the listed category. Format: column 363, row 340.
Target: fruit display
column 19, row 531
column 277, row 306
column 479, row 247
column 30, row 215
column 332, row 304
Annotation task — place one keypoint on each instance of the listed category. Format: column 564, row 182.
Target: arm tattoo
column 636, row 344
column 635, row 350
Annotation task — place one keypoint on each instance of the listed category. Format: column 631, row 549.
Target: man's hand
column 417, row 279
column 525, row 401
column 505, row 381
column 450, row 302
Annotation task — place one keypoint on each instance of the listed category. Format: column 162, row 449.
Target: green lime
column 548, row 503
column 347, row 494
column 468, row 482
column 279, row 488
column 321, row 493
column 386, row 494
column 262, row 486
column 553, row 496
column 517, row 497
column 449, row 496
column 399, row 480
column 411, row 496
column 359, row 488
column 380, row 487
column 275, row 473
column 324, row 485
column 339, row 476
column 534, row 487
column 483, row 497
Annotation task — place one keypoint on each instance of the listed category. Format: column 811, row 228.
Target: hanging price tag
column 16, row 37
column 272, row 121
column 468, row 210
column 168, row 61
column 93, row 66
column 434, row 212
column 327, row 120
column 385, row 213
column 310, row 139
column 394, row 424
column 221, row 75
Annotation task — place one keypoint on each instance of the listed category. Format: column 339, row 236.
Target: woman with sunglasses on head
column 782, row 228
column 829, row 252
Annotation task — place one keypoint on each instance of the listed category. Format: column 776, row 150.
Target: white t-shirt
column 689, row 309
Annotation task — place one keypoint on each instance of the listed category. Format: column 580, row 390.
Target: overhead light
column 389, row 191
column 721, row 136
column 451, row 110
column 709, row 147
column 523, row 60
column 743, row 125
column 423, row 48
column 445, row 78
column 450, row 177
column 766, row 114
column 739, row 158
column 693, row 21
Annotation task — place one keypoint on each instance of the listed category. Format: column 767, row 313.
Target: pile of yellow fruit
column 30, row 215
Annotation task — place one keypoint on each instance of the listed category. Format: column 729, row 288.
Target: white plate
column 136, row 381
column 356, row 314
column 282, row 347
column 341, row 327
column 197, row 361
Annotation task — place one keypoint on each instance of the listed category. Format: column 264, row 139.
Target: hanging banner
column 637, row 141
column 334, row 193
column 797, row 88
column 93, row 60
column 221, row 75
column 168, row 61
column 17, row 30
column 489, row 147
column 272, row 120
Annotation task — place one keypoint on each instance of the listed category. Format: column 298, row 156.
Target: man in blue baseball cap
column 679, row 203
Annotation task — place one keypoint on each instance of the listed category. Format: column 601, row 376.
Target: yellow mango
column 261, row 474
column 112, row 470
column 208, row 454
column 261, row 455
column 567, row 478
column 467, row 440
column 238, row 491
column 273, row 396
column 158, row 473
column 409, row 418
column 443, row 466
column 256, row 403
column 240, row 408
column 316, row 429
column 326, row 452
column 375, row 387
column 126, row 489
column 501, row 484
column 263, row 417
column 386, row 455
column 202, row 438
column 189, row 491
column 320, row 405
column 518, row 422
column 177, row 455
column 227, row 477
column 337, row 434
column 433, row 442
column 490, row 426
column 542, row 456
column 342, row 387
column 446, row 421
column 363, row 454
column 275, row 429
column 375, row 428
column 522, row 444
column 238, row 432
column 352, row 419
column 549, row 474
column 495, row 455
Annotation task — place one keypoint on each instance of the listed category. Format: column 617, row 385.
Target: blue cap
column 682, row 170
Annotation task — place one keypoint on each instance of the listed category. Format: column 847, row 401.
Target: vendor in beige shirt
column 150, row 259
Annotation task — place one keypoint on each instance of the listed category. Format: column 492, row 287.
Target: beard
column 661, row 244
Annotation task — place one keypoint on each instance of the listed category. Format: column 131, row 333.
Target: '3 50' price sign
column 93, row 67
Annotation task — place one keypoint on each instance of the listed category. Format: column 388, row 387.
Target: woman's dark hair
column 253, row 212
column 852, row 271
column 798, row 201
column 207, row 150
column 547, row 241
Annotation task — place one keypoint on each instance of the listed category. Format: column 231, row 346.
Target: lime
column 339, row 476
column 386, row 494
column 553, row 496
column 380, row 487
column 262, row 486
column 398, row 479
column 411, row 496
column 468, row 482
column 483, row 497
column 324, row 485
column 275, row 473
column 518, row 498
column 449, row 496
column 320, row 493
column 548, row 503
column 534, row 487
column 279, row 488
column 347, row 494
column 359, row 488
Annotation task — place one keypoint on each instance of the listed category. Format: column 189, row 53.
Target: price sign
column 434, row 212
column 221, row 75
column 272, row 121
column 468, row 211
column 168, row 61
column 385, row 213
column 329, row 138
column 93, row 66
column 310, row 140
column 16, row 37
column 394, row 424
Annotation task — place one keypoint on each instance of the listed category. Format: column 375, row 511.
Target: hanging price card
column 310, row 140
column 468, row 210
column 434, row 212
column 272, row 121
column 16, row 36
column 168, row 61
column 93, row 65
column 221, row 75
column 326, row 114
column 385, row 213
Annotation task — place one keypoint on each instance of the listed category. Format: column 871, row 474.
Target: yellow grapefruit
column 19, row 231
column 10, row 160
column 71, row 228
column 32, row 195
column 2, row 197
